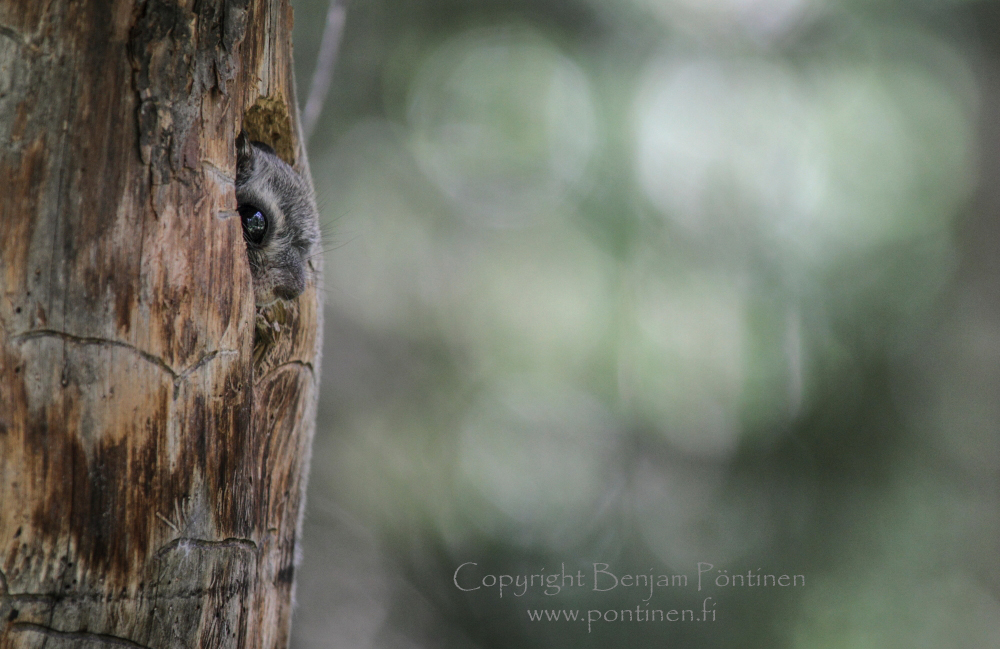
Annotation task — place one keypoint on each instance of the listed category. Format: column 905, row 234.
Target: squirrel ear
column 244, row 154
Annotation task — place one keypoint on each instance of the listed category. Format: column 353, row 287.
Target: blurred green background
column 651, row 283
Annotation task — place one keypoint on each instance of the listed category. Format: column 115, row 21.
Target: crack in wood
column 177, row 376
column 205, row 544
column 218, row 173
column 167, row 521
column 76, row 636
column 277, row 368
column 11, row 34
column 9, row 599
column 52, row 599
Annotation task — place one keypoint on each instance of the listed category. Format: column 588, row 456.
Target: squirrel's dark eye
column 254, row 223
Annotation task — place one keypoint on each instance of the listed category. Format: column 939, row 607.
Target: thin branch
column 336, row 15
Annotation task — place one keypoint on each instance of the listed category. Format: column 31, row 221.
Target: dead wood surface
column 151, row 474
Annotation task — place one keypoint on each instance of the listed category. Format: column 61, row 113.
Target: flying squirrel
column 277, row 208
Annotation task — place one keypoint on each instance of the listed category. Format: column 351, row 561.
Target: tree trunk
column 152, row 471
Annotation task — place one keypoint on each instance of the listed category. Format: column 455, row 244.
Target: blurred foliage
column 651, row 283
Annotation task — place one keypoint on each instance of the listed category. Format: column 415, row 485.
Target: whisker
column 325, row 250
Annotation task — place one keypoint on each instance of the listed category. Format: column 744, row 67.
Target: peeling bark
column 151, row 470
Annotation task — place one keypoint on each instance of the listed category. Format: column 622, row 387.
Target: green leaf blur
column 657, row 284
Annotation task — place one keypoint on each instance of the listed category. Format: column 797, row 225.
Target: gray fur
column 279, row 264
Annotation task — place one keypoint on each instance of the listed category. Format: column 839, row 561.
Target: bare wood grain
column 151, row 476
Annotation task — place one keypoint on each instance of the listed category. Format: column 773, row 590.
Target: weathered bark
column 151, row 473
